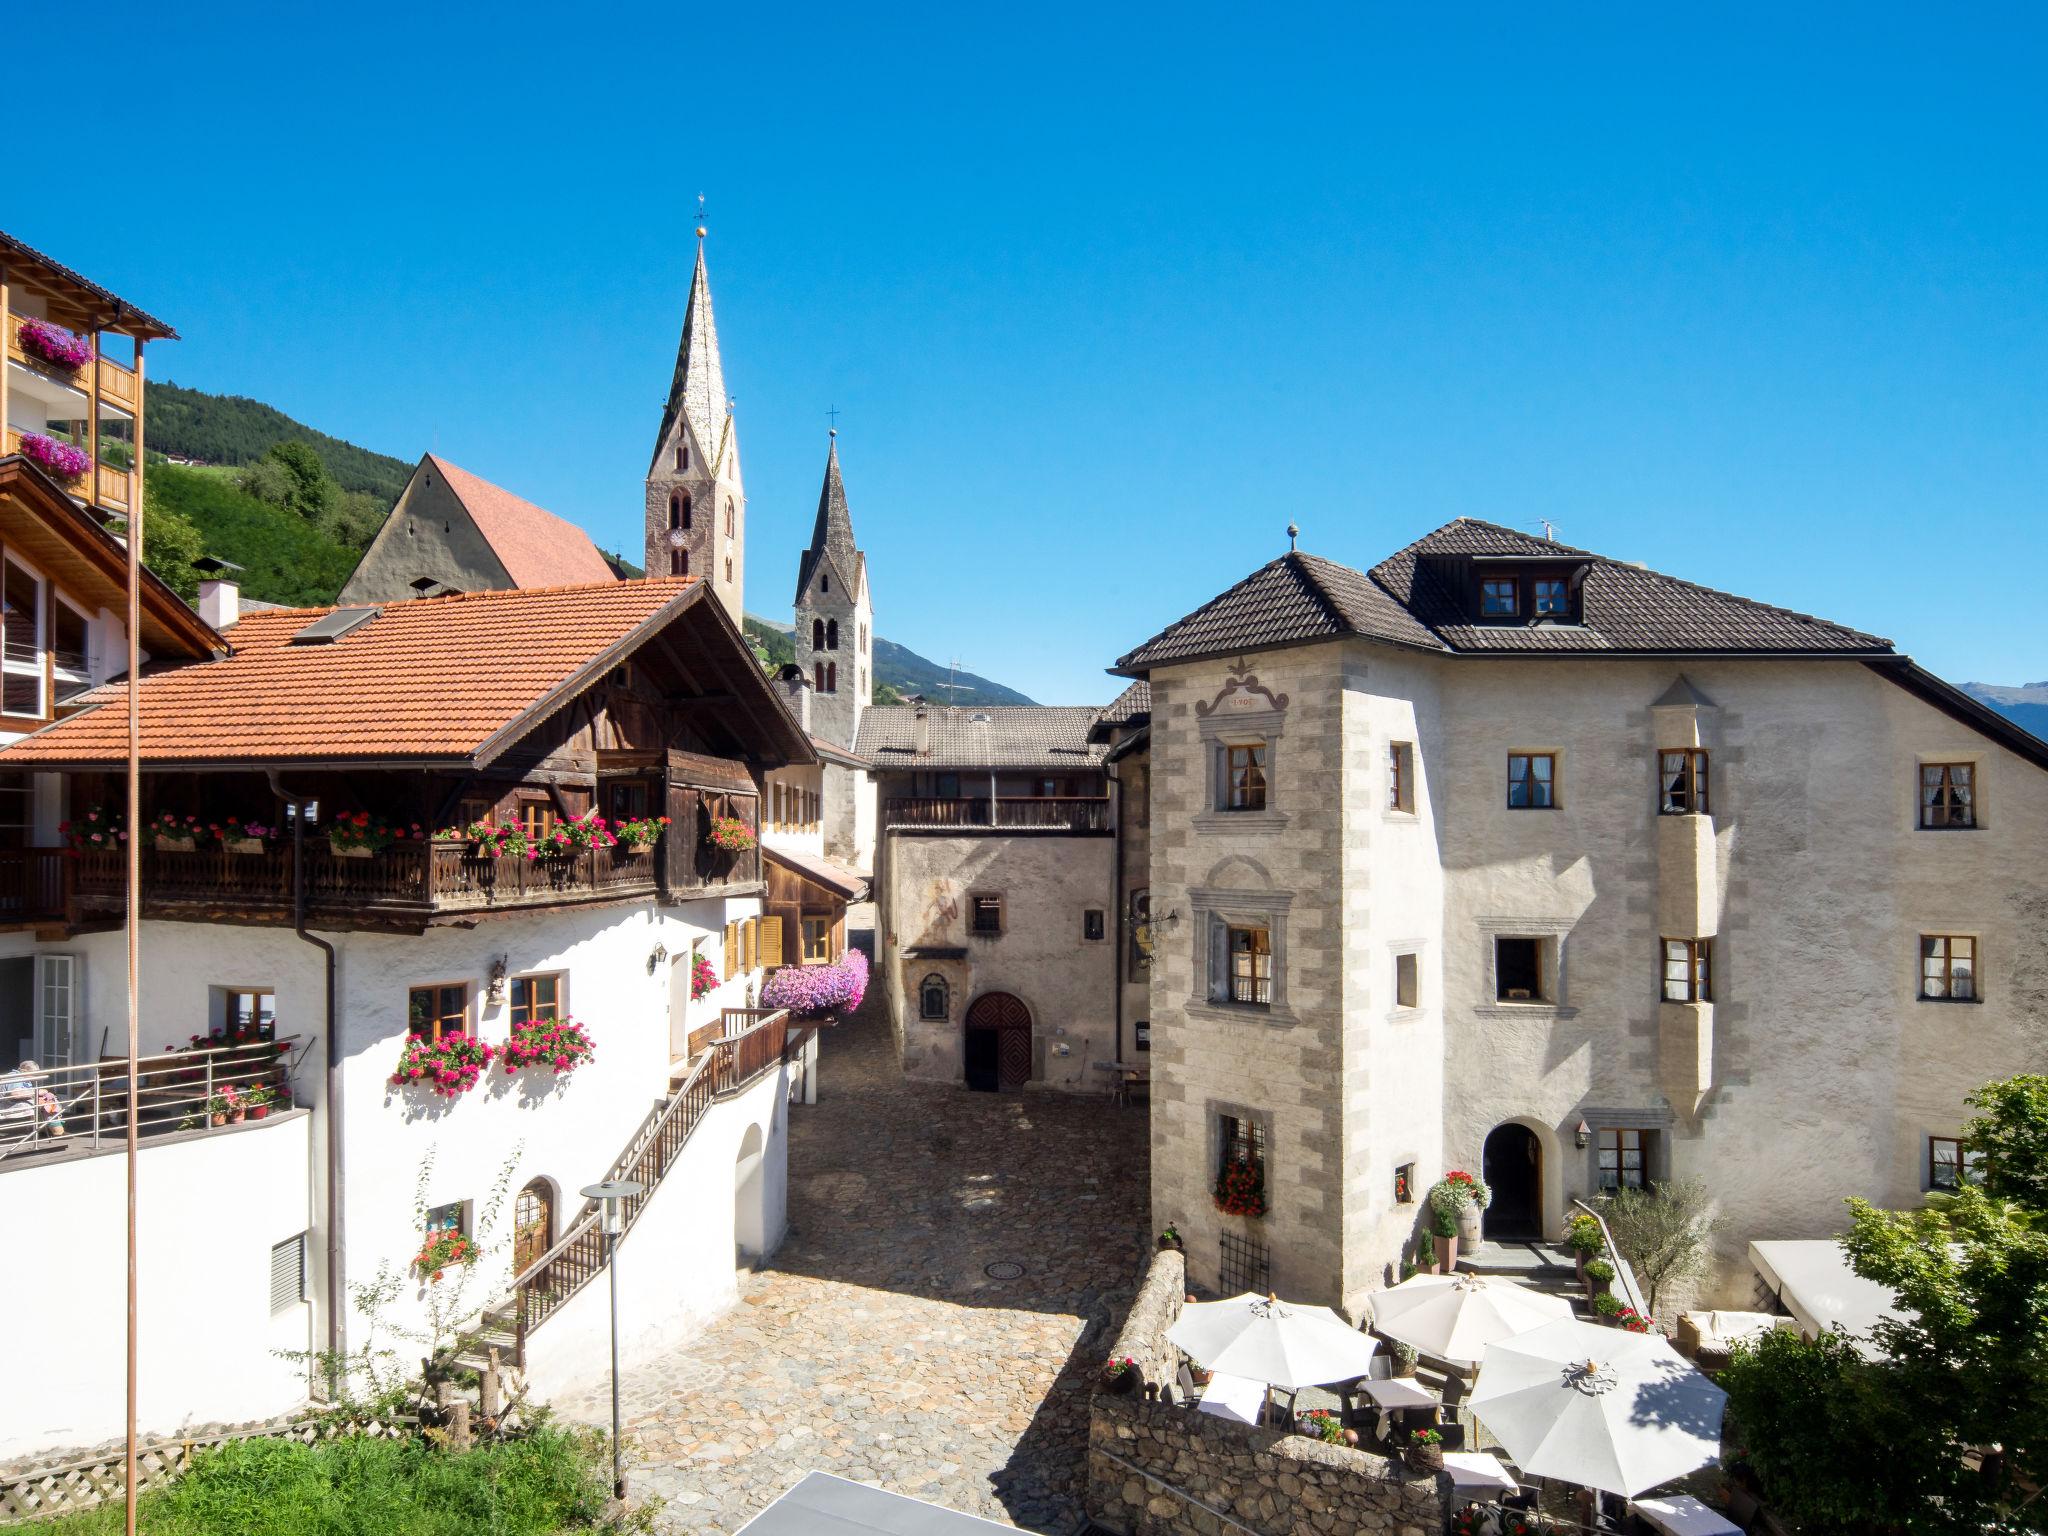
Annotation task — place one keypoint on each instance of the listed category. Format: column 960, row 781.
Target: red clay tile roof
column 537, row 548
column 435, row 678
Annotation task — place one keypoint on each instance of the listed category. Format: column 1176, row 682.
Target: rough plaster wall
column 1134, row 828
column 1040, row 958
column 427, row 534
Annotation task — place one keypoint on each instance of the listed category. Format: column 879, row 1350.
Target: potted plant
column 703, row 978
column 52, row 345
column 487, row 839
column 1170, row 1238
column 639, row 836
column 819, row 991
column 61, row 461
column 1607, row 1307
column 358, row 835
column 225, row 1104
column 450, row 1065
column 1404, row 1359
column 1120, row 1376
column 1456, row 1200
column 246, row 837
column 1426, row 1450
column 567, row 838
column 1634, row 1321
column 730, row 834
column 98, row 829
column 259, row 1097
column 1320, row 1424
column 1599, row 1275
column 560, row 1045
column 1582, row 1236
column 443, row 1248
column 1443, row 1232
column 1241, row 1188
column 175, row 833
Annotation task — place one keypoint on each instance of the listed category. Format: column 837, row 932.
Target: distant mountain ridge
column 233, row 429
column 898, row 666
column 2026, row 705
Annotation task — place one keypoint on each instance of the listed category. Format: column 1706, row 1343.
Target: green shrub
column 1599, row 1269
column 1607, row 1304
column 551, row 1480
column 1583, row 1235
column 285, row 559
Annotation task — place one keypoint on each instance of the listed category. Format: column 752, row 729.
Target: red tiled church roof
column 537, row 548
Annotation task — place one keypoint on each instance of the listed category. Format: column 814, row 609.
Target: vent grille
column 288, row 1273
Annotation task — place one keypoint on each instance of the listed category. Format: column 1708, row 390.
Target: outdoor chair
column 1185, row 1378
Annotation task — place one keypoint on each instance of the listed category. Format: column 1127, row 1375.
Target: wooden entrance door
column 533, row 1225
column 998, row 1042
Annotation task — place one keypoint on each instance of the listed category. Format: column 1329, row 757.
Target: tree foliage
column 1665, row 1232
column 229, row 429
column 284, row 558
column 1963, row 1370
column 171, row 541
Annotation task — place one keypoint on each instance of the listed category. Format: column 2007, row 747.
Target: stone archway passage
column 1513, row 1170
column 998, row 1043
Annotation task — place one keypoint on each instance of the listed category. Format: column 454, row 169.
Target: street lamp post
column 611, row 1197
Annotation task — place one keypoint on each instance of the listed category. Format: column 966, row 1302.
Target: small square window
column 817, row 939
column 1553, row 598
column 1404, row 1184
column 1518, row 970
column 1407, row 989
column 249, row 1011
column 1092, row 923
column 1500, row 597
column 434, row 1011
column 1948, row 795
column 536, row 997
column 987, row 915
column 453, row 1217
column 1948, row 968
column 1688, row 976
column 1532, row 781
column 1401, row 776
column 1682, row 782
column 1950, row 1164
column 1624, row 1158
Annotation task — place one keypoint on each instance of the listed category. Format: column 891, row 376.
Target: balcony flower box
column 488, row 839
column 1241, row 1188
column 358, row 835
column 559, row 1045
column 98, row 830
column 730, row 834
column 450, row 1065
column 443, row 1250
column 639, row 837
column 566, row 839
column 59, row 460
column 246, row 837
column 55, row 347
column 177, row 834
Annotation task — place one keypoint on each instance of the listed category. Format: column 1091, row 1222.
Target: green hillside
column 898, row 670
column 231, row 429
column 285, row 557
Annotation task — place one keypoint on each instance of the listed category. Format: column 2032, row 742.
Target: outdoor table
column 1680, row 1514
column 1233, row 1397
column 1126, row 1074
column 1399, row 1392
column 1476, row 1469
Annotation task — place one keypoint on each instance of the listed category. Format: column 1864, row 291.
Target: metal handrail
column 1624, row 1275
column 87, row 1103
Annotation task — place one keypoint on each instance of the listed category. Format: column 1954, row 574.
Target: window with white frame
column 22, row 618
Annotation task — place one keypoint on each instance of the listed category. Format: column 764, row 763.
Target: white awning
column 1814, row 1281
column 824, row 1505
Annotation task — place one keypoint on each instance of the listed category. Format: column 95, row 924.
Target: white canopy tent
column 1454, row 1317
column 1813, row 1279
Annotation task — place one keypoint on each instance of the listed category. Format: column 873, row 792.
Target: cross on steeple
column 832, row 413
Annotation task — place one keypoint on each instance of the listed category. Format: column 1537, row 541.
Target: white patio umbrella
column 1600, row 1407
column 1454, row 1317
column 1274, row 1341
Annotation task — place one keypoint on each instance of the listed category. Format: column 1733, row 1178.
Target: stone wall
column 1155, row 1466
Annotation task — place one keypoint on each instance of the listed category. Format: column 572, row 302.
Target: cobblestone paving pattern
column 874, row 1345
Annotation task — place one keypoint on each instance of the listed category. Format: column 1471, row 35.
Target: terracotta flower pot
column 221, row 1118
column 238, row 1117
column 259, row 1111
column 1446, row 1255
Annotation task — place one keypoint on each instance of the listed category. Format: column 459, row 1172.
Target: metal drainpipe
column 334, row 1168
column 1116, row 959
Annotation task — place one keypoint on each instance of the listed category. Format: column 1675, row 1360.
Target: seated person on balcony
column 19, row 1097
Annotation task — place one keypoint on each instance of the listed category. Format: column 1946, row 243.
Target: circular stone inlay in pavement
column 1004, row 1269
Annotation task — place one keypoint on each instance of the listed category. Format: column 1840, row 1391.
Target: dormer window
column 1500, row 598
column 1553, row 598
column 1526, row 592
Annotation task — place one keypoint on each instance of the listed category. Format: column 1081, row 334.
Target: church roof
column 697, row 392
column 832, row 533
column 1415, row 598
column 537, row 548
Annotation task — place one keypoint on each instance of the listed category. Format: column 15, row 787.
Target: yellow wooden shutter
column 751, row 932
column 771, row 941
column 732, row 951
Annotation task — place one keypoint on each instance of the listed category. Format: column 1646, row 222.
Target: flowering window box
column 638, row 837
column 558, row 1045
column 53, row 346
column 358, row 835
column 60, row 460
column 819, row 991
column 730, row 834
column 1241, row 1189
column 450, row 1065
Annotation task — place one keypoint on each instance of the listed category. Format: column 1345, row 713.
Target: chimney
column 796, row 690
column 921, row 742
column 220, row 595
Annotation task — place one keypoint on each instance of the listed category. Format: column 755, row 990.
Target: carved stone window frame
column 1554, row 935
column 1214, row 913
column 1243, row 713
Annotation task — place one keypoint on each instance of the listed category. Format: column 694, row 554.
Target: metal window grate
column 1246, row 1265
column 288, row 1273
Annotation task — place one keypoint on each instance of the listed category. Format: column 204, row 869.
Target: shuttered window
column 287, row 1273
column 750, row 934
column 732, row 951
column 771, row 941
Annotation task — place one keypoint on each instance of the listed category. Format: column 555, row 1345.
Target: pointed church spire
column 698, row 391
column 832, row 533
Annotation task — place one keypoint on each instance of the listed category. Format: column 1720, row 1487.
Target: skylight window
column 331, row 627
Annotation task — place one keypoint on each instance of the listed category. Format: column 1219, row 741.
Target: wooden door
column 533, row 1225
column 1009, row 1021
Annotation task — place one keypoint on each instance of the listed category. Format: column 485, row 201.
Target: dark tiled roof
column 1038, row 737
column 130, row 322
column 1408, row 600
column 1131, row 708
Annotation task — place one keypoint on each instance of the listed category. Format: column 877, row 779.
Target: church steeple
column 834, row 616
column 696, row 506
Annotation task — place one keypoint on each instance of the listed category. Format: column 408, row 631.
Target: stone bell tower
column 834, row 619
column 696, row 505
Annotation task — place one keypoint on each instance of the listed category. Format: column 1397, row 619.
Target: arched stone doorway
column 998, row 1043
column 533, row 1224
column 750, row 1196
column 1513, row 1170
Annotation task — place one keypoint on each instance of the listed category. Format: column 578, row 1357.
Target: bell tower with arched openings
column 834, row 633
column 696, row 505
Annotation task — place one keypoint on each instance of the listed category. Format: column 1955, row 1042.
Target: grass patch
column 286, row 558
column 551, row 1480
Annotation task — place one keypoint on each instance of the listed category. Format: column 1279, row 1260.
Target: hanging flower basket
column 703, row 978
column 59, row 460
column 442, row 1251
column 52, row 345
column 638, row 837
column 1241, row 1189
column 559, row 1045
column 730, row 834
column 450, row 1066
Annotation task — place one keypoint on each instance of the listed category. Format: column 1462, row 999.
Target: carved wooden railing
column 729, row 1065
column 31, row 885
column 1013, row 813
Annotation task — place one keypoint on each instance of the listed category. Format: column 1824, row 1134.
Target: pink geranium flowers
column 557, row 1045
column 52, row 344
column 450, row 1065
column 59, row 460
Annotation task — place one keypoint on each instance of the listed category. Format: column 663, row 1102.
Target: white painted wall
column 209, row 1208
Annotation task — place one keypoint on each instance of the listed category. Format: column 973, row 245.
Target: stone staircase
column 1545, row 1267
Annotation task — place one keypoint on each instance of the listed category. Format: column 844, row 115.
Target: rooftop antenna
column 951, row 687
column 1549, row 529
column 1293, row 533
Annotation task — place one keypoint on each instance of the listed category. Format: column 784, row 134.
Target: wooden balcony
column 1071, row 815
column 115, row 493
column 119, row 387
column 406, row 885
column 78, row 378
column 31, row 886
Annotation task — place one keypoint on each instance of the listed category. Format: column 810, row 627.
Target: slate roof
column 697, row 391
column 1408, row 599
column 537, row 548
column 832, row 534
column 1131, row 708
column 437, row 678
column 1035, row 737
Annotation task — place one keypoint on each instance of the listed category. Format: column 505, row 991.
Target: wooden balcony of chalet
column 101, row 389
column 1069, row 815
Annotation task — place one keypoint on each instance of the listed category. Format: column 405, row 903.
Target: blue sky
column 1107, row 295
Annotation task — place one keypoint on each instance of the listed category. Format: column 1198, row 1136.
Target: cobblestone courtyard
column 876, row 1344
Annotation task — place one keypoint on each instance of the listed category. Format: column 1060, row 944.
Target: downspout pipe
column 335, row 1246
column 1117, row 903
